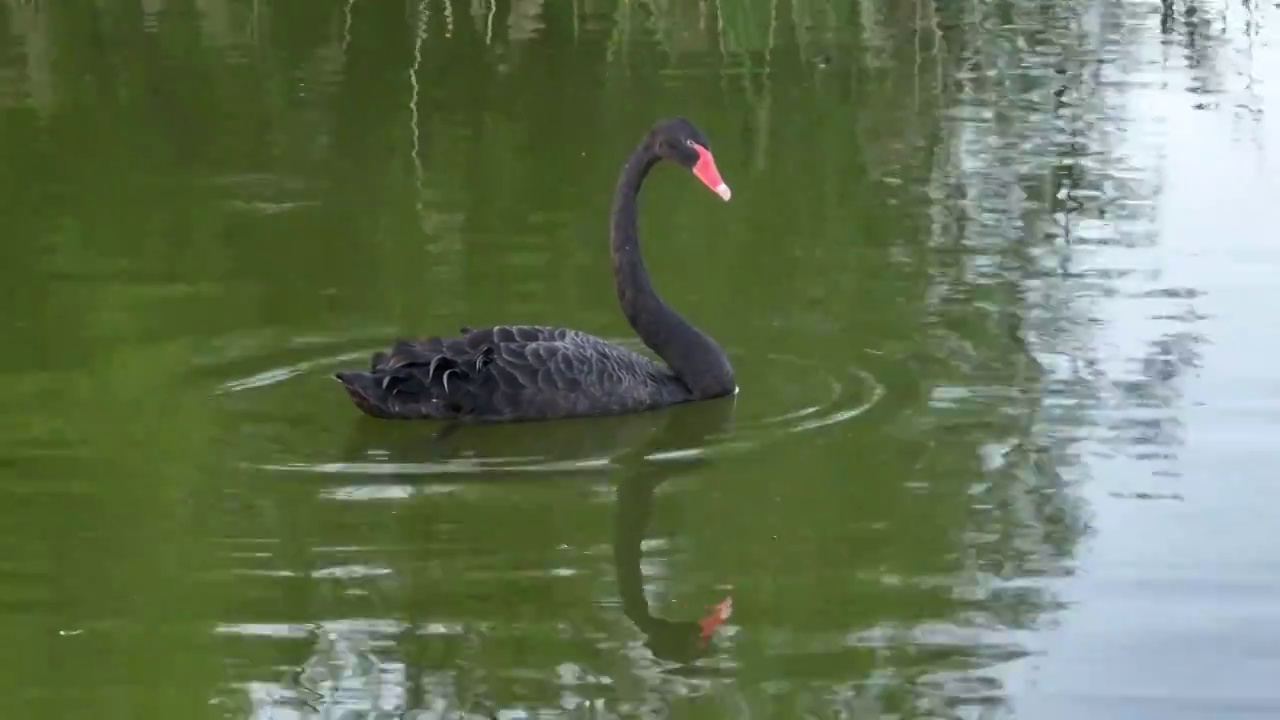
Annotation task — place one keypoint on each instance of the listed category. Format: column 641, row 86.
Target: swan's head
column 677, row 140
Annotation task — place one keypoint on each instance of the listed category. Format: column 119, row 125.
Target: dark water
column 997, row 280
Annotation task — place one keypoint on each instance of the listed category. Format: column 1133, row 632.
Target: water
column 994, row 278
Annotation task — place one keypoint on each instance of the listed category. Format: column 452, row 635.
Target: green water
column 994, row 279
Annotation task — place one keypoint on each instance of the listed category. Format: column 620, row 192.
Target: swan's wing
column 582, row 364
column 576, row 376
column 502, row 334
column 506, row 371
column 471, row 340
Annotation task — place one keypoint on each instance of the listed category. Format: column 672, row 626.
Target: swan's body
column 524, row 372
column 528, row 372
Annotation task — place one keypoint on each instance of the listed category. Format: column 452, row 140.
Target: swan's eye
column 689, row 142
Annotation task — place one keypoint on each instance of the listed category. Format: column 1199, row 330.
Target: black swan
column 529, row 372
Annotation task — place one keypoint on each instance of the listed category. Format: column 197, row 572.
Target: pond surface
column 996, row 280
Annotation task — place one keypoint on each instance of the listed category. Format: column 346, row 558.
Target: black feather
column 510, row 373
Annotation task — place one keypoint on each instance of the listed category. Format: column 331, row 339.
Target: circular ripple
column 779, row 396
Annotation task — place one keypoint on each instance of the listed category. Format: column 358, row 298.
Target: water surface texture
column 997, row 279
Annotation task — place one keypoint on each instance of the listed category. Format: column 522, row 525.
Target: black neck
column 693, row 356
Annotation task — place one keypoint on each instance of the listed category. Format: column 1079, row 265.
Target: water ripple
column 771, row 408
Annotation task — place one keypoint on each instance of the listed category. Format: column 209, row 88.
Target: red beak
column 705, row 170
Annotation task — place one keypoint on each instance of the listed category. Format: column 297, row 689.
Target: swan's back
column 502, row 373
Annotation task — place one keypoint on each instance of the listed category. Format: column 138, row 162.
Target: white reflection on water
column 1172, row 605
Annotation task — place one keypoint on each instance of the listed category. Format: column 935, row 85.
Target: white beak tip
column 724, row 192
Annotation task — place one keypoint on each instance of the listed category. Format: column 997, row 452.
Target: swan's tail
column 410, row 383
column 366, row 392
